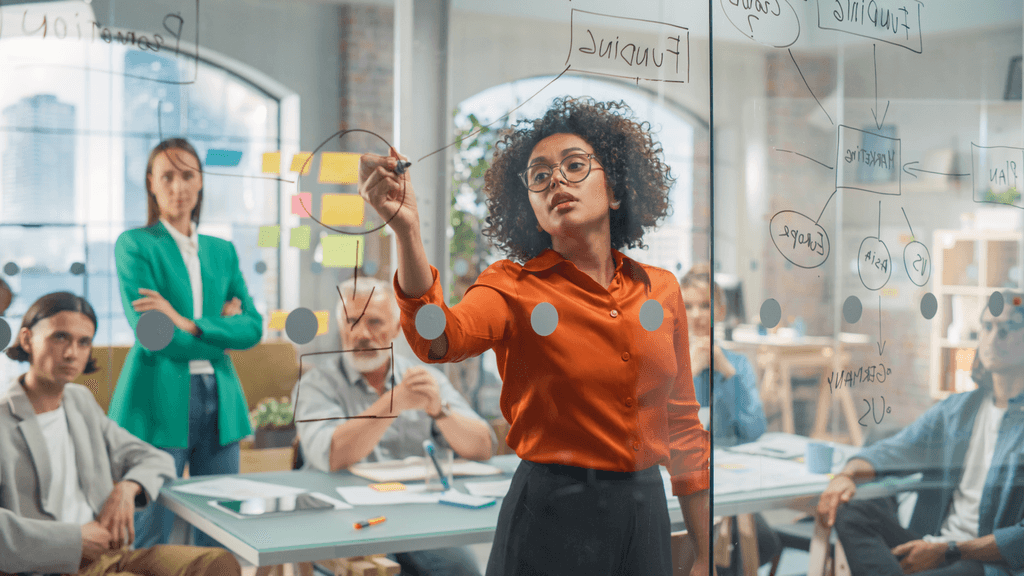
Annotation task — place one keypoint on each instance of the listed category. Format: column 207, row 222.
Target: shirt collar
column 623, row 264
column 190, row 241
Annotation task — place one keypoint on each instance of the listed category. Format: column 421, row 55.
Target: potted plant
column 272, row 419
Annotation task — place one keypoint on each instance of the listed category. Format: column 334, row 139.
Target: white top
column 189, row 247
column 65, row 490
column 962, row 521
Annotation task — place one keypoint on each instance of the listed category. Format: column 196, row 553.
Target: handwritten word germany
column 881, row 159
column 874, row 373
column 42, row 25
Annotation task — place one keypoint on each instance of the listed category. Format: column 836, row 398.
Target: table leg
column 748, row 544
column 723, row 543
column 786, row 398
column 818, row 553
column 277, row 570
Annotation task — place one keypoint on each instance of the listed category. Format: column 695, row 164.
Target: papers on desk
column 495, row 489
column 775, row 445
column 738, row 472
column 366, row 496
column 413, row 468
column 231, row 488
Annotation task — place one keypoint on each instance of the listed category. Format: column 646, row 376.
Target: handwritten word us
column 770, row 22
column 800, row 240
column 873, row 263
column 918, row 263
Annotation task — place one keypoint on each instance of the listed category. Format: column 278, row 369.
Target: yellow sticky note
column 272, row 162
column 277, row 319
column 343, row 251
column 339, row 168
column 323, row 321
column 299, row 238
column 269, row 236
column 341, row 209
column 301, row 162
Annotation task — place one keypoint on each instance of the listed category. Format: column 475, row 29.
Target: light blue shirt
column 738, row 414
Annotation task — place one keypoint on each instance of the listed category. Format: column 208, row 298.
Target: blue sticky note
column 223, row 157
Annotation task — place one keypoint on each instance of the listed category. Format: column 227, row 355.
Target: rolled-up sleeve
column 689, row 442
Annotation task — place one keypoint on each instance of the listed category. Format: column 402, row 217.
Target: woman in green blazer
column 184, row 398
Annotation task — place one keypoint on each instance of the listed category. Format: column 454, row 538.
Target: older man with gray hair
column 360, row 381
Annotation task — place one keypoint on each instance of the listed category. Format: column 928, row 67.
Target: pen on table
column 401, row 167
column 428, row 446
column 368, row 523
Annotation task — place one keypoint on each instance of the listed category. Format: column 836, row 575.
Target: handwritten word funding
column 628, row 48
column 896, row 22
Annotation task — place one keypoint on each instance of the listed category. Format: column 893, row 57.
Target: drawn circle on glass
column 154, row 330
column 651, row 315
column 301, row 325
column 430, row 321
column 771, row 313
column 874, row 266
column 544, row 319
column 917, row 263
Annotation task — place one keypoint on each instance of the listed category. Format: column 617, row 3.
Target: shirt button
column 629, row 402
column 614, row 313
column 625, row 356
column 636, row 445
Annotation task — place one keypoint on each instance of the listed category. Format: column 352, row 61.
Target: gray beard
column 363, row 365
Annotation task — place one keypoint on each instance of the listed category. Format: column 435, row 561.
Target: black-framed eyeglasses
column 574, row 169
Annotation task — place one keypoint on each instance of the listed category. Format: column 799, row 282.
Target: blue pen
column 428, row 446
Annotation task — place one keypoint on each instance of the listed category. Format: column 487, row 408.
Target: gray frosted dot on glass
column 771, row 313
column 651, row 315
column 11, row 269
column 461, row 267
column 544, row 319
column 316, row 267
column 301, row 325
column 154, row 330
column 261, row 267
column 679, row 266
column 430, row 321
column 852, row 310
column 5, row 334
column 996, row 303
column 929, row 306
column 78, row 268
column 370, row 267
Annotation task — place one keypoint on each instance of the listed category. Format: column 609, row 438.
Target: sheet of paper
column 343, row 251
column 495, row 489
column 229, row 488
column 302, row 204
column 737, row 472
column 301, row 162
column 456, row 498
column 366, row 496
column 278, row 319
column 269, row 236
column 413, row 468
column 339, row 168
column 775, row 445
column 272, row 162
column 216, row 157
column 299, row 237
column 342, row 209
column 323, row 321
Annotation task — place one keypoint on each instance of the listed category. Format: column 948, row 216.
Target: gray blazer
column 31, row 539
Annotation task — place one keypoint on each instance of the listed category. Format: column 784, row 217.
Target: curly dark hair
column 633, row 169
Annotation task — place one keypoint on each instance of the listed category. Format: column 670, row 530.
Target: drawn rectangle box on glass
column 895, row 22
column 66, row 22
column 869, row 161
column 996, row 174
column 628, row 48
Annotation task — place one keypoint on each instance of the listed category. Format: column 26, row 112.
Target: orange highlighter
column 368, row 523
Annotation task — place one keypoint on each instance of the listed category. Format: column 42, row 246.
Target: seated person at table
column 71, row 478
column 970, row 446
column 739, row 417
column 360, row 383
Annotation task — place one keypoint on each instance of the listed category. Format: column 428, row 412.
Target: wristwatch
column 952, row 552
column 446, row 410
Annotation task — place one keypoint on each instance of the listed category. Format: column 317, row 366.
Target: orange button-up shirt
column 601, row 391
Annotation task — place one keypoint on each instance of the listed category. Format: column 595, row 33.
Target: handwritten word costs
column 996, row 174
column 66, row 25
column 917, row 262
column 645, row 50
column 770, row 22
column 800, row 240
column 871, row 374
column 873, row 263
column 897, row 22
column 877, row 411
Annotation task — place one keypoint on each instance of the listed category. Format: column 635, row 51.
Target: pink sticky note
column 302, row 204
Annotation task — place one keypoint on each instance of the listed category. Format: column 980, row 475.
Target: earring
column 615, row 205
column 539, row 229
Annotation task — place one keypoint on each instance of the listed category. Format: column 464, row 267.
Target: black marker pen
column 402, row 167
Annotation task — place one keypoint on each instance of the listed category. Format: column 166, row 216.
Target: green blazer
column 152, row 396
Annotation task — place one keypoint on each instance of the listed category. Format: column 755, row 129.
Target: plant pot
column 274, row 437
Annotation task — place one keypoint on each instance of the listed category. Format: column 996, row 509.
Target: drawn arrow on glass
column 910, row 170
column 874, row 113
column 881, row 345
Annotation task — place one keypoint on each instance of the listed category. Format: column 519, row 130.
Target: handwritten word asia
column 875, row 373
column 882, row 159
column 630, row 53
column 58, row 28
column 870, row 13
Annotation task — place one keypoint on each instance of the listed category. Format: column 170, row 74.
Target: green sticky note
column 343, row 251
column 269, row 236
column 299, row 237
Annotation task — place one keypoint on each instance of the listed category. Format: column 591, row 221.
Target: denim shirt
column 936, row 444
column 738, row 414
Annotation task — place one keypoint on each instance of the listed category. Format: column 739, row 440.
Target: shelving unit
column 969, row 265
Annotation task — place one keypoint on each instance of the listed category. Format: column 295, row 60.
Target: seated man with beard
column 359, row 383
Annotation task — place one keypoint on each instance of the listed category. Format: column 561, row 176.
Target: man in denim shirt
column 971, row 445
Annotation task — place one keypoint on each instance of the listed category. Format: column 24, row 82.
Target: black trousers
column 561, row 520
column 870, row 529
